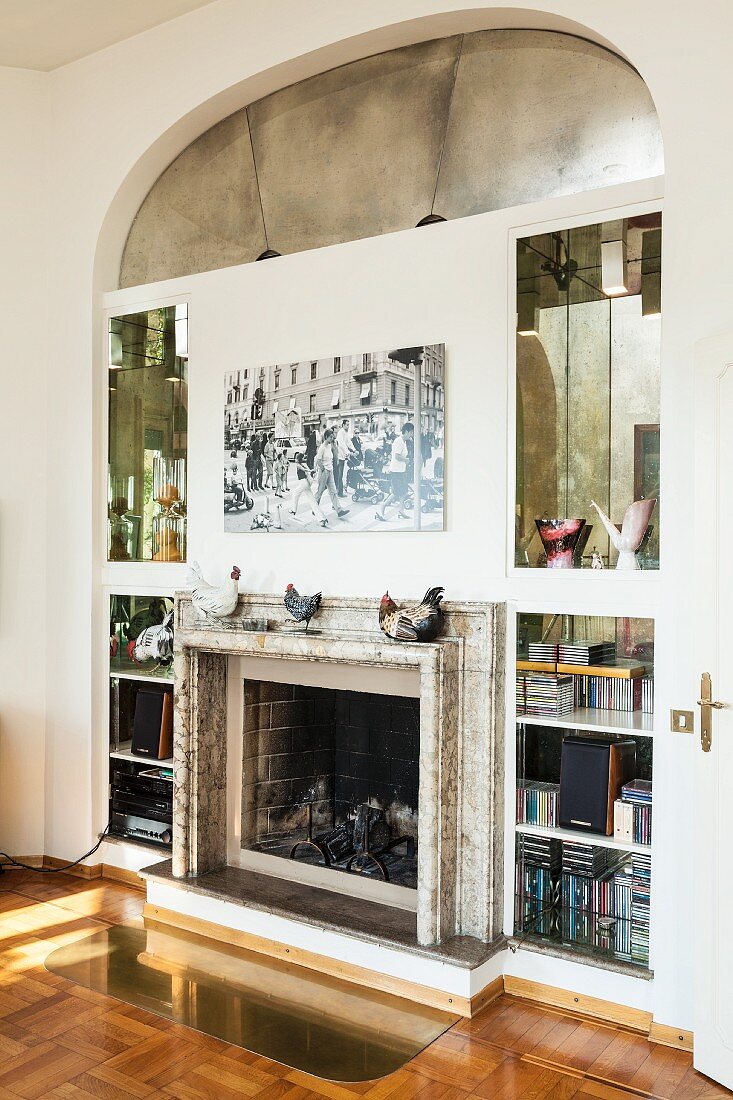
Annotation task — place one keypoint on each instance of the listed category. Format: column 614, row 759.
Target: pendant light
column 614, row 268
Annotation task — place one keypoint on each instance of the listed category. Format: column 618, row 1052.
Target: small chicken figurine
column 210, row 600
column 301, row 608
column 155, row 643
column 420, row 623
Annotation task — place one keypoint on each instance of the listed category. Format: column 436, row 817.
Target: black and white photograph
column 344, row 443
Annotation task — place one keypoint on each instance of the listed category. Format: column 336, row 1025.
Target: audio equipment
column 141, row 828
column 142, row 805
column 152, row 732
column 592, row 773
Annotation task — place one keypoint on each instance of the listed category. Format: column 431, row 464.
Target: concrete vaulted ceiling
column 455, row 127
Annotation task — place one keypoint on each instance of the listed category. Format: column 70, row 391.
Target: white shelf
column 585, row 838
column 124, row 752
column 141, row 677
column 595, row 720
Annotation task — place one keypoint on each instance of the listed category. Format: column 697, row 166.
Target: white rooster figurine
column 210, row 600
column 153, row 643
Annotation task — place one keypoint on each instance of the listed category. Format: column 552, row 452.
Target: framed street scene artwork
column 345, row 443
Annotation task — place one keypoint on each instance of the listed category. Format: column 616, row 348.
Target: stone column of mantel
column 199, row 762
column 437, row 825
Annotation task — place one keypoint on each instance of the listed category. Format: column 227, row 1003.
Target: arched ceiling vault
column 455, row 126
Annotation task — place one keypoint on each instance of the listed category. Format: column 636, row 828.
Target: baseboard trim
column 123, row 875
column 488, row 994
column 634, row 1018
column 668, row 1036
column 31, row 861
column 372, row 979
column 81, row 870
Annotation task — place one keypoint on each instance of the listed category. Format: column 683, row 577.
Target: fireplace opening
column 331, row 778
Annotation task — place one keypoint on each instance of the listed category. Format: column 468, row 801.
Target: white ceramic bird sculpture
column 154, row 643
column 628, row 540
column 210, row 600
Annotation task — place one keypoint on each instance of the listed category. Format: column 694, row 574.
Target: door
column 714, row 767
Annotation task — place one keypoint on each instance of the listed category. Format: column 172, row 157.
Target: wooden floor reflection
column 321, row 1025
column 67, row 1042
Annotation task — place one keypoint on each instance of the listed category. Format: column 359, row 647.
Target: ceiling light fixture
column 614, row 269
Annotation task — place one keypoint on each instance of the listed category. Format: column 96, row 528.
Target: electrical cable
column 54, row 870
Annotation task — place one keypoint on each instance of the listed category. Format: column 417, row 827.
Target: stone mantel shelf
column 460, row 827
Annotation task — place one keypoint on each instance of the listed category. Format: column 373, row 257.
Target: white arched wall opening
column 182, row 130
column 176, row 131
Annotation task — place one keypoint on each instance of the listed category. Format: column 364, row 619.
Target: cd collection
column 632, row 813
column 600, row 896
column 548, row 695
column 586, row 653
column 537, row 803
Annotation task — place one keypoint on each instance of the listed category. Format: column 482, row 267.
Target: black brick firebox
column 336, row 751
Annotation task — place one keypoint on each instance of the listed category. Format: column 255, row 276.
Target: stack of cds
column 591, row 895
column 586, row 653
column 647, row 694
column 641, row 876
column 537, row 803
column 543, row 651
column 542, row 851
column 548, row 695
column 521, row 693
column 584, row 859
column 537, row 871
column 608, row 692
column 632, row 887
column 635, row 811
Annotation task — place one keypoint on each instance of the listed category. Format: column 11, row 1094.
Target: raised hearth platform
column 370, row 921
column 364, row 942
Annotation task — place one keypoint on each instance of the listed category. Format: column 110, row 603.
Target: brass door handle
column 707, row 705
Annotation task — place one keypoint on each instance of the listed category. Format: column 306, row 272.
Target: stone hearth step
column 369, row 921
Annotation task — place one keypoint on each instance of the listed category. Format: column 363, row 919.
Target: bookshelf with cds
column 579, row 893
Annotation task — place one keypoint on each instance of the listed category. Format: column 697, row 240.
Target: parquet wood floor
column 59, row 1040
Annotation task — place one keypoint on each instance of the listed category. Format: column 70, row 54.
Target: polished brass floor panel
column 326, row 1027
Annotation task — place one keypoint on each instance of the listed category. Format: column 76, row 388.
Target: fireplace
column 331, row 778
column 423, row 777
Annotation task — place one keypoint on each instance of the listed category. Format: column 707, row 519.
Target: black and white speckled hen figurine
column 301, row 608
column 420, row 623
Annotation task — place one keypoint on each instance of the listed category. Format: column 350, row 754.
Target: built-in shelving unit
column 140, row 787
column 580, row 891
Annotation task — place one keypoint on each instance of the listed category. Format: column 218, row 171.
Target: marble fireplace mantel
column 460, row 828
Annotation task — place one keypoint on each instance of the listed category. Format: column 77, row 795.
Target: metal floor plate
column 327, row 1027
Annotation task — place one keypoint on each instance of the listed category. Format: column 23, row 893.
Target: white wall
column 25, row 359
column 166, row 86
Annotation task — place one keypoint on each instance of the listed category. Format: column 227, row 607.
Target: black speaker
column 152, row 732
column 592, row 773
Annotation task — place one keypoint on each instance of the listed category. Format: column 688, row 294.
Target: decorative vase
column 628, row 540
column 560, row 539
column 120, row 528
column 169, row 525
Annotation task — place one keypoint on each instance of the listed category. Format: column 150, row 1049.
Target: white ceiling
column 44, row 34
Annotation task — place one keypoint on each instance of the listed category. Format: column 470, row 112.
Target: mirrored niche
column 587, row 396
column 148, row 435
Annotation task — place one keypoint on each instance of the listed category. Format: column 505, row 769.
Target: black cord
column 55, row 870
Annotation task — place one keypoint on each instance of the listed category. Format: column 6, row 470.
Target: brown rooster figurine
column 421, row 623
column 301, row 608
